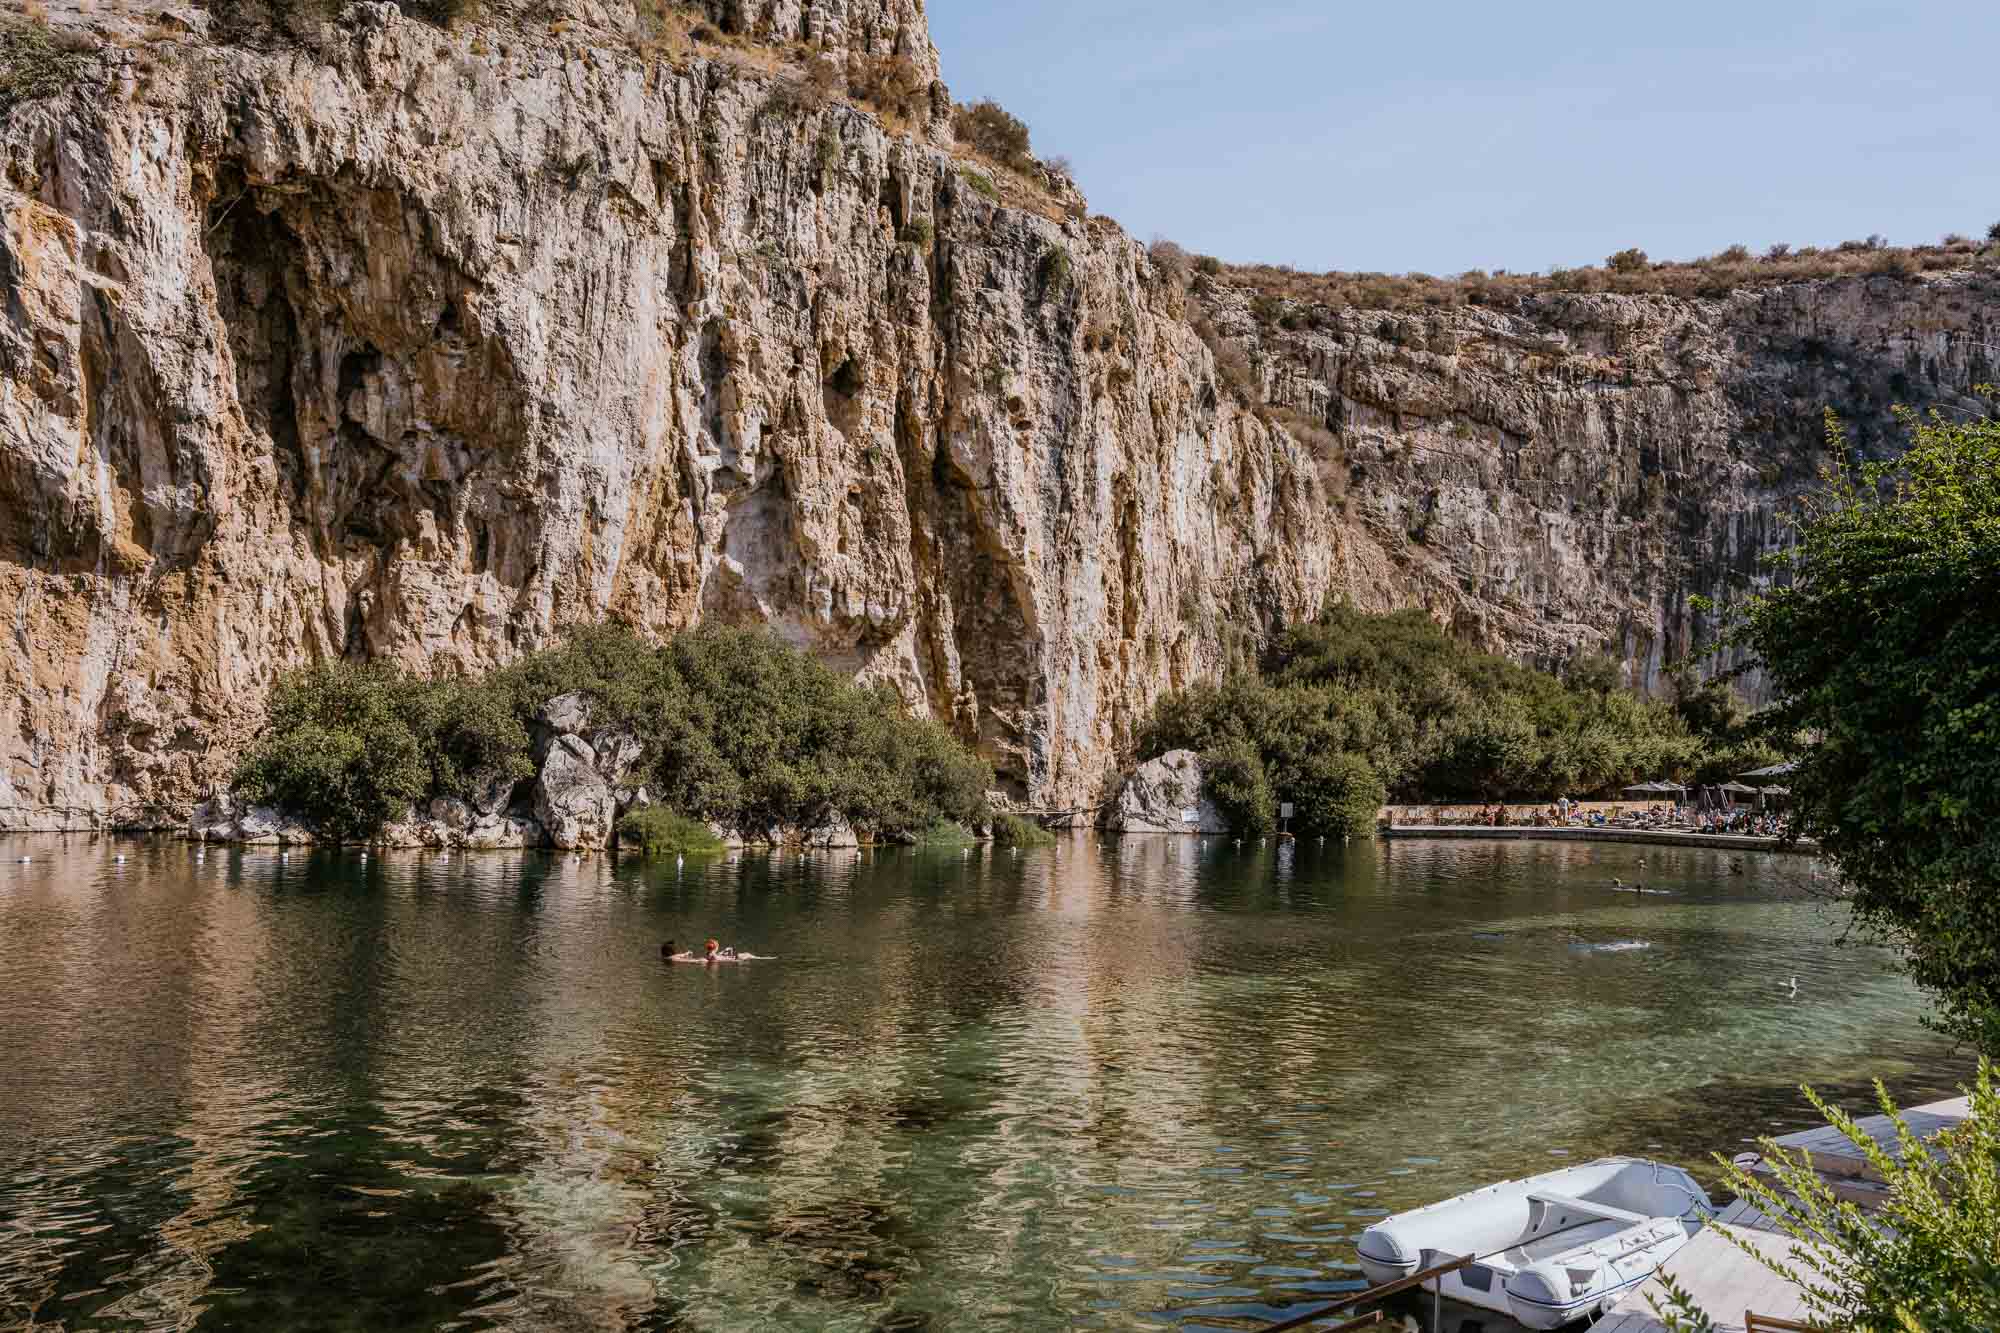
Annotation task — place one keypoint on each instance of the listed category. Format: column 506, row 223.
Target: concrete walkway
column 1731, row 842
column 1727, row 1283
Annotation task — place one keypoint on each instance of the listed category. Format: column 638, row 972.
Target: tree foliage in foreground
column 1883, row 650
column 734, row 726
column 1927, row 1262
column 1353, row 708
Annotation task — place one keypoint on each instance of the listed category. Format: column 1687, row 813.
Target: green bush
column 1014, row 831
column 733, row 726
column 1334, row 795
column 338, row 750
column 658, row 831
column 1055, row 271
column 942, row 833
column 468, row 735
column 1234, row 778
column 1433, row 719
column 990, row 128
column 1881, row 642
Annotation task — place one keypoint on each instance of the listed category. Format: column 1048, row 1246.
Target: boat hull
column 1550, row 1249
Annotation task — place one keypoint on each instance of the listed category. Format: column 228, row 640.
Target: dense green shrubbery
column 942, row 833
column 1014, row 831
column 658, row 831
column 1355, row 707
column 1882, row 646
column 734, row 727
column 339, row 749
column 1236, row 779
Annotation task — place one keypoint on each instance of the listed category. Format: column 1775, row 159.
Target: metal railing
column 1383, row 1292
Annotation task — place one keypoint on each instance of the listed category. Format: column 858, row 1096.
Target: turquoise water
column 1149, row 1083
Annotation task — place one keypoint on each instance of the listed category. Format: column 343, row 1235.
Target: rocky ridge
column 422, row 344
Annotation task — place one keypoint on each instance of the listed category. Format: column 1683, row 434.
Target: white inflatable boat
column 1553, row 1248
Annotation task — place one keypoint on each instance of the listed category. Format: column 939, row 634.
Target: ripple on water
column 469, row 1091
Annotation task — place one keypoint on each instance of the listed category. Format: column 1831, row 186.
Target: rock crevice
column 430, row 344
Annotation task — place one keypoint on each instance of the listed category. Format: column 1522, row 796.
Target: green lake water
column 1138, row 1083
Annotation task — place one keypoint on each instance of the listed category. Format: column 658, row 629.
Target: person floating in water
column 712, row 951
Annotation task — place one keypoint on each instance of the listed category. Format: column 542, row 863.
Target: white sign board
column 1190, row 816
column 1285, row 810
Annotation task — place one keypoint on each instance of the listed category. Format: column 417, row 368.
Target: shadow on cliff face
column 255, row 261
column 393, row 418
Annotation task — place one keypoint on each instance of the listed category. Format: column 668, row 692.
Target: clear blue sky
column 1439, row 137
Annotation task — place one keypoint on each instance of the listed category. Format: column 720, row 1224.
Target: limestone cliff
column 421, row 344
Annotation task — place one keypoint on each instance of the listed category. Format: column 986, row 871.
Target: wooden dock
column 1728, row 842
column 1727, row 1283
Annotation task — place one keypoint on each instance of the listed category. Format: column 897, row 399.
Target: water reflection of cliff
column 976, row 1084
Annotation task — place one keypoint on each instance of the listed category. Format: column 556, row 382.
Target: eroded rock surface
column 1156, row 797
column 421, row 345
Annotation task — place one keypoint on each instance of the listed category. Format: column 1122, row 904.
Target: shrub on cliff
column 989, row 128
column 894, row 84
column 734, row 726
column 338, row 750
column 37, row 60
column 1353, row 707
column 299, row 20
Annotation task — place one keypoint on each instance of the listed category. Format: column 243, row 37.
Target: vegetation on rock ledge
column 733, row 727
column 37, row 60
column 1355, row 707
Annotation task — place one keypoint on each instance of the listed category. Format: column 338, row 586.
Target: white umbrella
column 1773, row 771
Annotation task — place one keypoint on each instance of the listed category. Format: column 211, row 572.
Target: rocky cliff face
column 422, row 344
column 1568, row 475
